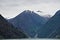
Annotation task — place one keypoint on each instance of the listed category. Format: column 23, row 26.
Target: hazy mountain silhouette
column 29, row 21
column 7, row 30
column 52, row 28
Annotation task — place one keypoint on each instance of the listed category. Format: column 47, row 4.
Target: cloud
column 16, row 6
column 26, row 2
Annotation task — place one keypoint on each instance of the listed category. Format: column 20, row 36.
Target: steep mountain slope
column 7, row 30
column 52, row 28
column 29, row 21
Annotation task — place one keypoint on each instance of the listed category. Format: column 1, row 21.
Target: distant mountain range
column 7, row 30
column 29, row 22
column 52, row 28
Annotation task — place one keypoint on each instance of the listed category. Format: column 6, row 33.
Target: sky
column 11, row 8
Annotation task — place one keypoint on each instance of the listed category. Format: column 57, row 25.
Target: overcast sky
column 11, row 8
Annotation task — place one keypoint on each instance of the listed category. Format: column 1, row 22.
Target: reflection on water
column 29, row 39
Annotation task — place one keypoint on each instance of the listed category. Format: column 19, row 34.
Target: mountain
column 7, row 30
column 28, row 21
column 52, row 28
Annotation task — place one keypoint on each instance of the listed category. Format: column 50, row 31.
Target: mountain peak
column 29, row 21
column 27, row 11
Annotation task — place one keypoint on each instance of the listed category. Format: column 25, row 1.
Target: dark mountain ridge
column 7, row 30
column 52, row 28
